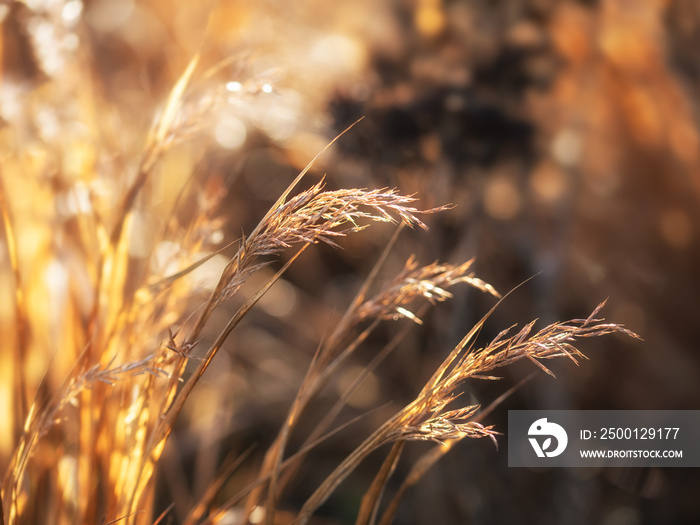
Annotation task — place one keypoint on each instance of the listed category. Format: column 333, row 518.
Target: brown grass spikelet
column 428, row 416
column 552, row 341
column 453, row 424
column 430, row 282
column 313, row 216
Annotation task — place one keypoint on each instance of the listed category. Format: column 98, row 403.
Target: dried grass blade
column 314, row 380
column 162, row 514
column 167, row 281
column 33, row 426
column 212, row 490
column 330, row 416
column 362, row 292
column 160, row 131
column 342, row 471
column 122, row 518
column 419, row 469
column 442, row 369
column 376, row 360
column 541, row 366
column 505, row 395
column 21, row 320
column 312, row 383
column 370, row 501
column 431, row 457
column 282, row 198
column 169, row 417
column 261, row 480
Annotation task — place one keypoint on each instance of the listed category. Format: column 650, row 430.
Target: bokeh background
column 566, row 133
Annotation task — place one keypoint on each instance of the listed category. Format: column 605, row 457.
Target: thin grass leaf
column 205, row 502
column 371, row 499
column 21, row 395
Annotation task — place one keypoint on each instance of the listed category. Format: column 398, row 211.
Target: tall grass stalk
column 106, row 348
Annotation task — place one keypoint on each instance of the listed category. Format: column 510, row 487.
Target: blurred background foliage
column 565, row 132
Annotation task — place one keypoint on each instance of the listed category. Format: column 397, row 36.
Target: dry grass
column 100, row 335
